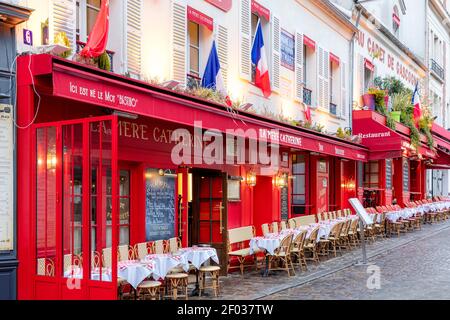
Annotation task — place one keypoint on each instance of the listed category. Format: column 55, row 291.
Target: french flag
column 212, row 78
column 259, row 59
column 416, row 103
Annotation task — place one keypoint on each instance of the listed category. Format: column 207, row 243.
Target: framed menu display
column 6, row 179
column 362, row 213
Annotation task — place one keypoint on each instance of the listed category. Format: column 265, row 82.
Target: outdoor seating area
column 151, row 270
column 288, row 246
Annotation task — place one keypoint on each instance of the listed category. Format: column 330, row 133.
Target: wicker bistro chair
column 173, row 245
column 298, row 251
column 141, row 250
column 292, row 224
column 283, row 225
column 353, row 233
column 344, row 240
column 275, row 228
column 339, row 214
column 311, row 246
column 282, row 256
column 265, row 228
column 334, row 238
column 158, row 247
column 125, row 252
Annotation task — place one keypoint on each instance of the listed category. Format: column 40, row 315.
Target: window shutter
column 134, row 36
column 299, row 81
column 222, row 51
column 62, row 18
column 320, row 77
column 276, row 53
column 326, row 80
column 343, row 89
column 245, row 36
column 179, row 43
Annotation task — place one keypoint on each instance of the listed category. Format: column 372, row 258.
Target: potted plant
column 369, row 101
column 400, row 103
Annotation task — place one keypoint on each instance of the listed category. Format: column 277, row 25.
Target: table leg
column 266, row 269
column 196, row 290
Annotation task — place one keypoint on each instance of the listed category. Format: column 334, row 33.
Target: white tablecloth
column 134, row 272
column 163, row 263
column 198, row 255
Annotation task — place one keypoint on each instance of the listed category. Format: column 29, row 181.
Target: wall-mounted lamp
column 251, row 179
column 281, row 180
column 166, row 173
column 51, row 161
column 126, row 115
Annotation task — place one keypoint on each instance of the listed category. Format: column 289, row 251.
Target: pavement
column 415, row 265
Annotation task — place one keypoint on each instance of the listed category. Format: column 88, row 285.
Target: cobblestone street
column 414, row 266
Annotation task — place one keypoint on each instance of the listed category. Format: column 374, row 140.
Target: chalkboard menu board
column 284, row 203
column 405, row 175
column 389, row 174
column 160, row 205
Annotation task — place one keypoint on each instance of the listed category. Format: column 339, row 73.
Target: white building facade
column 171, row 40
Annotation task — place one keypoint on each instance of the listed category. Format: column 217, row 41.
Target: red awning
column 78, row 82
column 260, row 10
column 309, row 42
column 442, row 159
column 334, row 58
column 369, row 65
column 383, row 142
column 200, row 18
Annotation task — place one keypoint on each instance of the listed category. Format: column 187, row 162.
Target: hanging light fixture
column 251, row 179
column 281, row 180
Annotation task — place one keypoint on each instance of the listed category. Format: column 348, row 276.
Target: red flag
column 307, row 113
column 416, row 104
column 98, row 38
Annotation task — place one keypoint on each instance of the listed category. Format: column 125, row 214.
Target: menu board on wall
column 6, row 179
column 405, row 175
column 389, row 174
column 160, row 206
column 284, row 203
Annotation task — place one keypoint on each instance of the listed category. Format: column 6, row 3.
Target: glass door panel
column 72, row 166
column 46, row 201
column 101, row 250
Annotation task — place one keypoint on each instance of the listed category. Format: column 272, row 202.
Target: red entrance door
column 209, row 225
column 75, row 216
column 323, row 186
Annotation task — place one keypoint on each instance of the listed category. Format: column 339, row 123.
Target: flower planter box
column 369, row 101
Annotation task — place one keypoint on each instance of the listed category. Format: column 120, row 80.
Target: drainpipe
column 352, row 69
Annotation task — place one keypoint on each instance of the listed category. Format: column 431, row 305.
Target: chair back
column 124, row 253
column 95, row 259
column 339, row 214
column 299, row 241
column 173, row 244
column 275, row 227
column 285, row 245
column 292, row 224
column 107, row 257
column 314, row 234
column 283, row 225
column 265, row 228
column 354, row 225
column 336, row 230
column 141, row 250
column 158, row 247
column 45, row 267
column 71, row 260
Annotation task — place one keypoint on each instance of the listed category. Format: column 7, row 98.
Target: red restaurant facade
column 96, row 157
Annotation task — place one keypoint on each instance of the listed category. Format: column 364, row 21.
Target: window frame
column 81, row 10
column 305, row 175
column 197, row 47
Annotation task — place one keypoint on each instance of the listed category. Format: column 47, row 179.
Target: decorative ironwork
column 333, row 108
column 81, row 45
column 307, row 96
column 193, row 81
column 437, row 69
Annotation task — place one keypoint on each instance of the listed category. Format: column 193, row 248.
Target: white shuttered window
column 245, row 45
column 134, row 36
column 299, row 66
column 63, row 19
column 323, row 77
column 222, row 51
column 179, row 42
column 276, row 54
